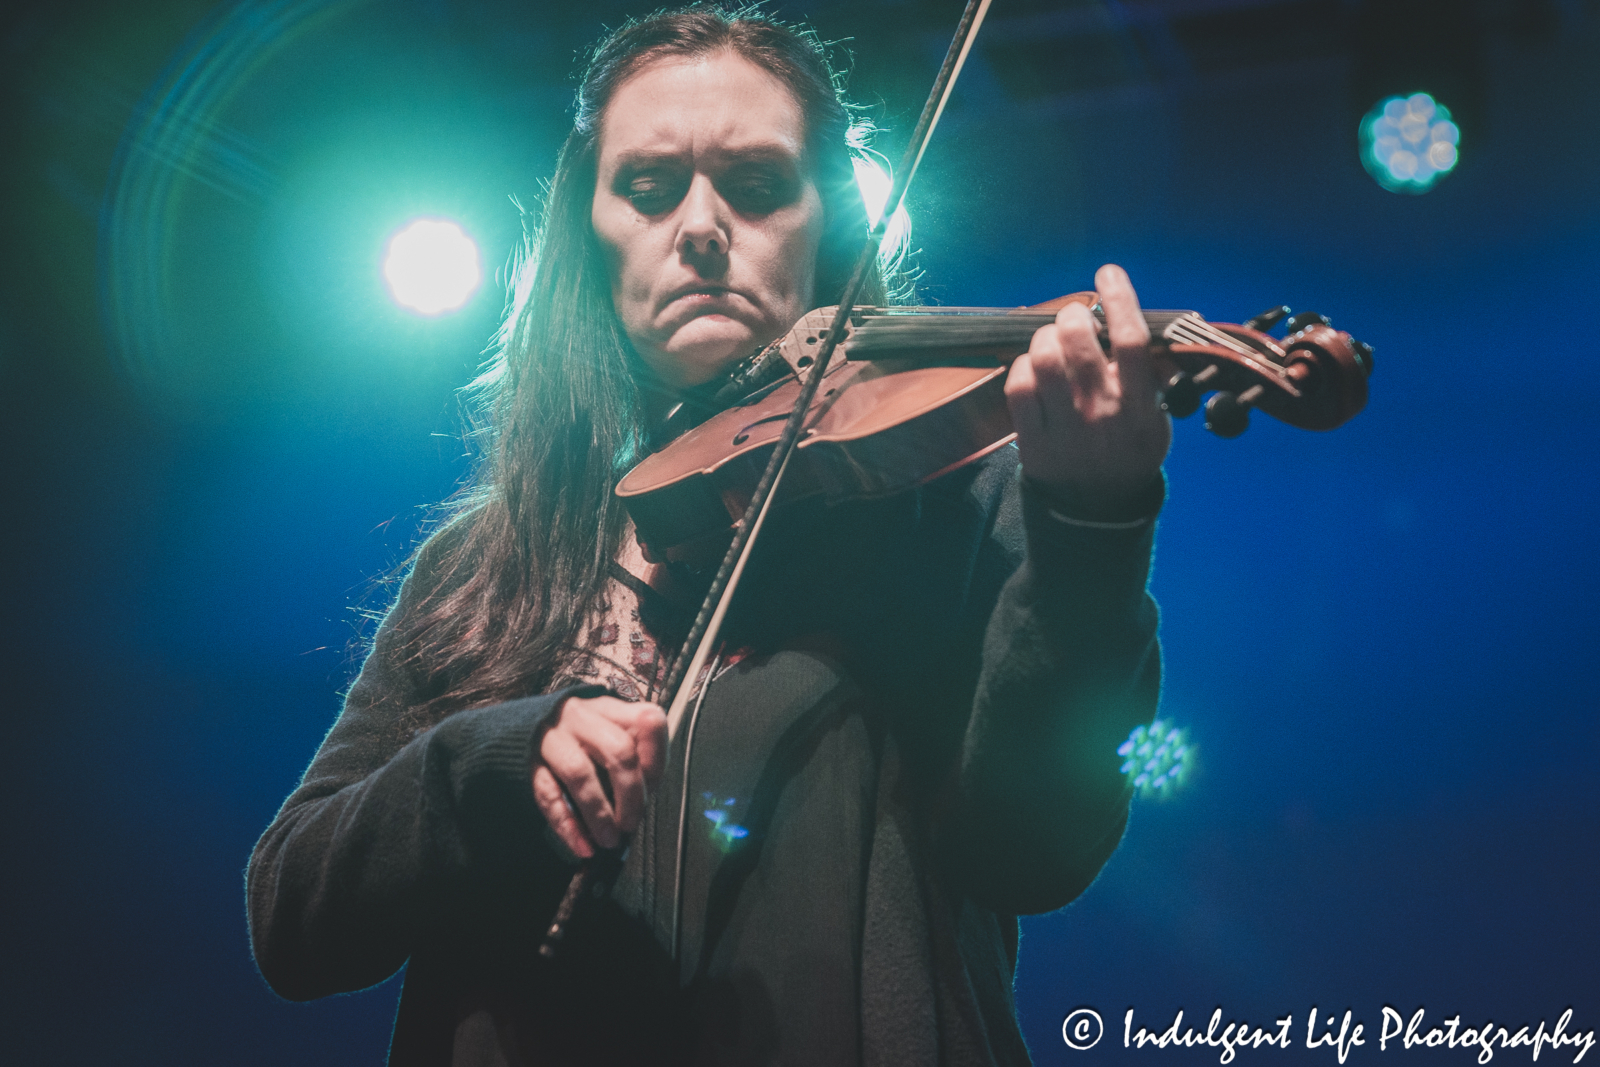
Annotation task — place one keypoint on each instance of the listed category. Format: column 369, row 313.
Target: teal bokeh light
column 432, row 267
column 1157, row 758
column 1409, row 142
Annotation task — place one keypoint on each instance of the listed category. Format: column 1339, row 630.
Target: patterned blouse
column 634, row 631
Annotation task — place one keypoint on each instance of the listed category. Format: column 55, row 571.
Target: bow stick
column 702, row 637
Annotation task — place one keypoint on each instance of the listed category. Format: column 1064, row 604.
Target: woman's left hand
column 1088, row 425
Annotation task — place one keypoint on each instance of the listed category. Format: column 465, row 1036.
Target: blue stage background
column 222, row 437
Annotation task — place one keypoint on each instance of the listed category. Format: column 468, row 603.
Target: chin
column 691, row 361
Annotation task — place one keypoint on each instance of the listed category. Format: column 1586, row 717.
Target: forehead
column 708, row 107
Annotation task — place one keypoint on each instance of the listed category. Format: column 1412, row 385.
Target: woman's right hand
column 608, row 753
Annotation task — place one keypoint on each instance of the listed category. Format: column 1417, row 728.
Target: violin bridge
column 803, row 343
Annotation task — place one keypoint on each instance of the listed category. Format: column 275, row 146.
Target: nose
column 703, row 228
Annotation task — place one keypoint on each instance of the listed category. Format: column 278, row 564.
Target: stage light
column 1409, row 142
column 432, row 266
column 872, row 178
column 1157, row 758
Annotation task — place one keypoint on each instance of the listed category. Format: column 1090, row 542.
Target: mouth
column 708, row 296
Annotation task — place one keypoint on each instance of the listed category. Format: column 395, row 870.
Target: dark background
column 220, row 434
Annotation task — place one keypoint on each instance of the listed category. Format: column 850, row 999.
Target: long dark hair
column 515, row 568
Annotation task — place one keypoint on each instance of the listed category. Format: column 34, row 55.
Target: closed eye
column 758, row 192
column 651, row 193
column 749, row 188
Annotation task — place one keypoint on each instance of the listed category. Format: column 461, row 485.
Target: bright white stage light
column 1409, row 142
column 874, row 182
column 432, row 266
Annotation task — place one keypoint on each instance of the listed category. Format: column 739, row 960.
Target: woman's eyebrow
column 760, row 152
column 636, row 159
column 644, row 158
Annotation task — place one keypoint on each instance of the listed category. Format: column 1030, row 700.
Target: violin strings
column 894, row 329
column 1197, row 331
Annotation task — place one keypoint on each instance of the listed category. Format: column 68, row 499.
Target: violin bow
column 703, row 634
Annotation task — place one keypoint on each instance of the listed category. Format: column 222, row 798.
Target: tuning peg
column 1181, row 397
column 1303, row 319
column 1268, row 318
column 1225, row 416
column 1364, row 354
column 1228, row 415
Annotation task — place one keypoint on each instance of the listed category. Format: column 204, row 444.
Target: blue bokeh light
column 1409, row 142
column 1157, row 758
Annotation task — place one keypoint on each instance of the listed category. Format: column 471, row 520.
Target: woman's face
column 706, row 208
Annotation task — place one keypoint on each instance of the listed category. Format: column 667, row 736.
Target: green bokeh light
column 1409, row 142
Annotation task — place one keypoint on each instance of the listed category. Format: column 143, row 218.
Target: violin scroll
column 1314, row 378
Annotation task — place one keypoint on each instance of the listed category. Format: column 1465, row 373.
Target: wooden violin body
column 921, row 392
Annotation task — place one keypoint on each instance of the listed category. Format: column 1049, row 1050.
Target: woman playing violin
column 908, row 737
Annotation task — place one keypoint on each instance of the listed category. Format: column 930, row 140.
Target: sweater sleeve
column 386, row 835
column 1070, row 665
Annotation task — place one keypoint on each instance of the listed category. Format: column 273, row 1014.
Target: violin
column 920, row 393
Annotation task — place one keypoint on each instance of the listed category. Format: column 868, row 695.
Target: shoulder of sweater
column 435, row 563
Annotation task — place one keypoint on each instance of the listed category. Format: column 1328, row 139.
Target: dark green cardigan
column 920, row 749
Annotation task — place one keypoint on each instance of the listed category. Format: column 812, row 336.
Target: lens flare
column 180, row 142
column 725, row 833
column 432, row 267
column 1409, row 142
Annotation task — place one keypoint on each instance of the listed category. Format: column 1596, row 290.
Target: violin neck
column 888, row 333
